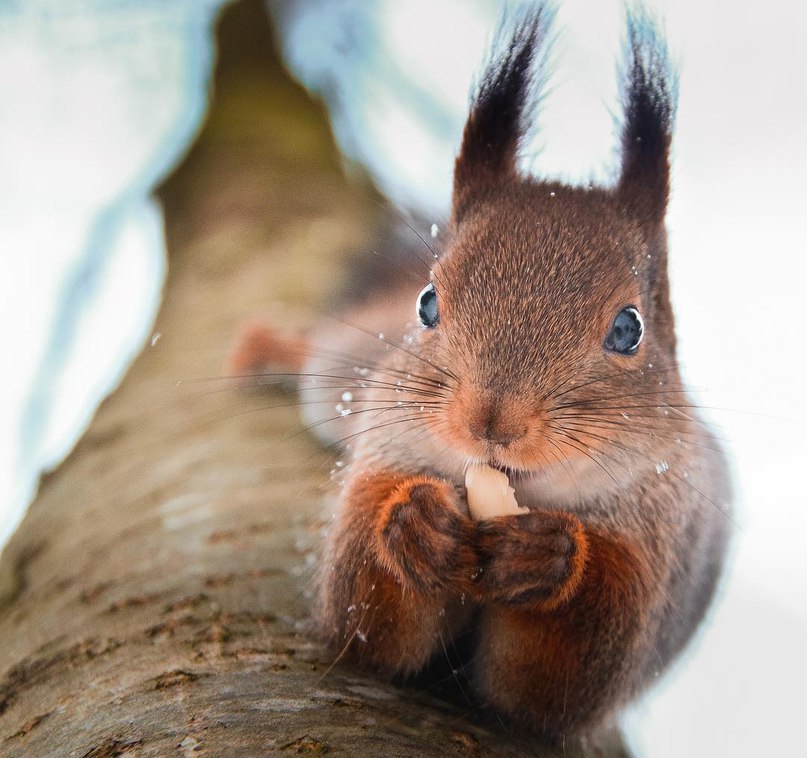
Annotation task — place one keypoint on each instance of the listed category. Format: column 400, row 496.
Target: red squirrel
column 539, row 341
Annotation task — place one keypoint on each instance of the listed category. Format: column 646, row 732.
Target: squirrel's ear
column 648, row 100
column 504, row 98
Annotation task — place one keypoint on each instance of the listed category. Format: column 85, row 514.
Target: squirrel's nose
column 493, row 421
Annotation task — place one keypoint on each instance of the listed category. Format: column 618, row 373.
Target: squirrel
column 539, row 342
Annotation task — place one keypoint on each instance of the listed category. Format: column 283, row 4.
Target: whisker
column 583, row 450
column 681, row 479
column 343, row 440
column 344, row 359
column 351, row 386
column 649, row 421
column 608, row 398
column 341, row 654
column 397, row 346
column 671, row 406
column 561, row 458
column 404, row 269
column 348, row 360
column 454, row 671
column 647, row 431
column 606, row 377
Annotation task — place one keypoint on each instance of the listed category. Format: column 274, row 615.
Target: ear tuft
column 649, row 94
column 505, row 98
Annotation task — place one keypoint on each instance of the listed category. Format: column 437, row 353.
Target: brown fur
column 575, row 607
column 395, row 588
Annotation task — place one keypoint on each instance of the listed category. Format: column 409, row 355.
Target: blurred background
column 102, row 98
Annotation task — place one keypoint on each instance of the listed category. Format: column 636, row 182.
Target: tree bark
column 156, row 597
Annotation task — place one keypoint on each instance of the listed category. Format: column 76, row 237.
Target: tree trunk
column 156, row 595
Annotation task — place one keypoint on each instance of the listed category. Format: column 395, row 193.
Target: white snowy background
column 100, row 98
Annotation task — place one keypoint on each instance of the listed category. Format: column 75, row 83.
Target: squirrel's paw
column 424, row 538
column 536, row 560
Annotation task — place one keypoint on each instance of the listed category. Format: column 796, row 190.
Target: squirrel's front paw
column 533, row 560
column 424, row 538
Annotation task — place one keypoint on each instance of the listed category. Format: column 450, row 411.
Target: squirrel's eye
column 427, row 306
column 626, row 332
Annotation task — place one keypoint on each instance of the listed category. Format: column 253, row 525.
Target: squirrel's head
column 550, row 303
